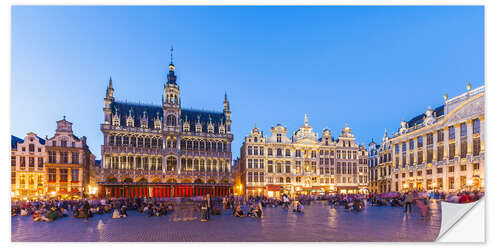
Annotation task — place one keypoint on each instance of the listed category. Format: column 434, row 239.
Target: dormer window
column 144, row 123
column 116, row 121
column 255, row 139
column 185, row 127
column 278, row 137
column 222, row 130
column 210, row 128
column 157, row 124
column 198, row 128
column 130, row 122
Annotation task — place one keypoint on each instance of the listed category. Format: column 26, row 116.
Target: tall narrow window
column 476, row 127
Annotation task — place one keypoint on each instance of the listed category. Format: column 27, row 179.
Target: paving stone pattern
column 320, row 222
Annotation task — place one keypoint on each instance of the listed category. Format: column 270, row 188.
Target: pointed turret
column 107, row 101
column 110, row 91
column 227, row 113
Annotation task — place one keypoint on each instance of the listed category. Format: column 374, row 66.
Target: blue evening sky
column 369, row 67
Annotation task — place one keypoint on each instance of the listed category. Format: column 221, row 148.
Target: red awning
column 273, row 188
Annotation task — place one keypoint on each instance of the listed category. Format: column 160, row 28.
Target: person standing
column 204, row 209
column 86, row 208
column 408, row 201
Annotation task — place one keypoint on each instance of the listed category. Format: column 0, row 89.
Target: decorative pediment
column 471, row 109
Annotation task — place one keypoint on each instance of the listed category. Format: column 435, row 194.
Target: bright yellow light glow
column 53, row 193
column 343, row 191
column 469, row 182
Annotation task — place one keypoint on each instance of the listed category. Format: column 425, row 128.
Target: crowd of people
column 50, row 210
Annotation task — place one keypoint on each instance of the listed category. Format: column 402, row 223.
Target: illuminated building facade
column 442, row 149
column 380, row 165
column 164, row 150
column 68, row 163
column 302, row 164
column 27, row 168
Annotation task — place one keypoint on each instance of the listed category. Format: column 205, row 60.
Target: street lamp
column 469, row 184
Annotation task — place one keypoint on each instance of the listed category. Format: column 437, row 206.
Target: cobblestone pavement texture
column 319, row 222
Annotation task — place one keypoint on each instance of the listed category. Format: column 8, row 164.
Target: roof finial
column 306, row 121
column 110, row 82
column 64, row 117
column 225, row 96
column 172, row 55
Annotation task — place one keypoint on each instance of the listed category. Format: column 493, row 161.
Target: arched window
column 209, row 165
column 138, row 163
column 171, row 120
column 196, row 165
column 190, row 164
column 145, row 163
column 171, row 163
column 183, row 164
column 153, row 163
column 202, row 165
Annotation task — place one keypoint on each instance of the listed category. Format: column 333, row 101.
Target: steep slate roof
column 420, row 118
column 98, row 163
column 152, row 111
column 42, row 141
column 205, row 117
column 137, row 112
column 14, row 140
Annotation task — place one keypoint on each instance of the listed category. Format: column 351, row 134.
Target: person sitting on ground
column 300, row 207
column 123, row 211
column 116, row 214
column 251, row 210
column 259, row 210
column 238, row 212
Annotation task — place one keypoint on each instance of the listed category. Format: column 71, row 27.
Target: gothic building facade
column 164, row 150
column 303, row 163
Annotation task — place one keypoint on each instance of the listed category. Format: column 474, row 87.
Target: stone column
column 481, row 132
column 434, row 146
column 457, row 140
column 424, row 148
column 446, row 149
column 57, row 179
column 469, row 137
column 70, row 178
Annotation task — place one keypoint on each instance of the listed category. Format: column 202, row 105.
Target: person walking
column 408, row 201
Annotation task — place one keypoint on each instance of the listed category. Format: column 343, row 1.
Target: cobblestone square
column 320, row 222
